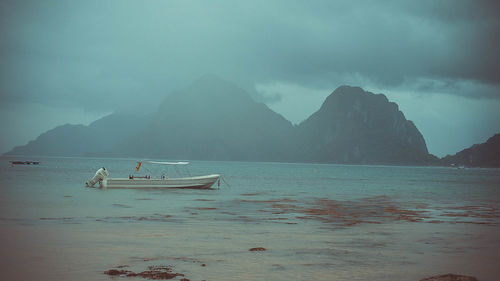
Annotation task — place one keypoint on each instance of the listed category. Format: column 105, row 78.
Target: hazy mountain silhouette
column 215, row 120
column 79, row 140
column 354, row 126
column 212, row 120
column 479, row 155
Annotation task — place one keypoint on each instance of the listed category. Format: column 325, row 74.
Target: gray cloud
column 115, row 55
column 124, row 51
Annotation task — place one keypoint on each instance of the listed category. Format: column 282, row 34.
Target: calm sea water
column 316, row 222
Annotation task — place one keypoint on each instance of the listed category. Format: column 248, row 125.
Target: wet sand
column 329, row 240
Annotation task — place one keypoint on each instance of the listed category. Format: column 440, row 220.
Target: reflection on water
column 316, row 222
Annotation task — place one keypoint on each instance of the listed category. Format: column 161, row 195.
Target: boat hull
column 199, row 182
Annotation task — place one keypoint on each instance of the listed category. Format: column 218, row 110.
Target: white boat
column 138, row 182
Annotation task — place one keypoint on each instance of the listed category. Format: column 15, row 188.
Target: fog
column 74, row 62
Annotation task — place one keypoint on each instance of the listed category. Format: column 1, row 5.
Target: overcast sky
column 75, row 61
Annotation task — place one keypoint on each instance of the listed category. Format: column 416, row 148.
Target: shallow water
column 316, row 221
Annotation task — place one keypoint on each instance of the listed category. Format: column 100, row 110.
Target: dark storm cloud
column 475, row 28
column 116, row 54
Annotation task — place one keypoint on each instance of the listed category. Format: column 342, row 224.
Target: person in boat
column 99, row 176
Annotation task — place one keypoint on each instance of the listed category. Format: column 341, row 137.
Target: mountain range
column 213, row 119
column 79, row 140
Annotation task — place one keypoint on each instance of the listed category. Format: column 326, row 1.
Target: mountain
column 212, row 120
column 79, row 140
column 479, row 155
column 358, row 127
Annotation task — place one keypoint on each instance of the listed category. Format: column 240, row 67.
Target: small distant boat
column 24, row 163
column 458, row 166
column 163, row 181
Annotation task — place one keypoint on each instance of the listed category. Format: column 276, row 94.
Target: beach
column 309, row 221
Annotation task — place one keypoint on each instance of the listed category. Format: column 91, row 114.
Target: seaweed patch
column 153, row 273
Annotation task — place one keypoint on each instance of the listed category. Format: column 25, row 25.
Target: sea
column 266, row 221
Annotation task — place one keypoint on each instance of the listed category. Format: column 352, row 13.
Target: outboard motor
column 100, row 175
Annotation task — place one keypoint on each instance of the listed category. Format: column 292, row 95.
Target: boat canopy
column 139, row 163
column 165, row 163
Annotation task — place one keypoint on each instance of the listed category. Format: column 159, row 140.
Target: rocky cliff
column 479, row 155
column 358, row 127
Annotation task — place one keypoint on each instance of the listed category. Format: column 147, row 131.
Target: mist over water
column 316, row 222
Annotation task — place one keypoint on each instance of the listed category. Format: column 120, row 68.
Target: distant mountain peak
column 212, row 119
column 346, row 89
column 357, row 126
column 349, row 95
